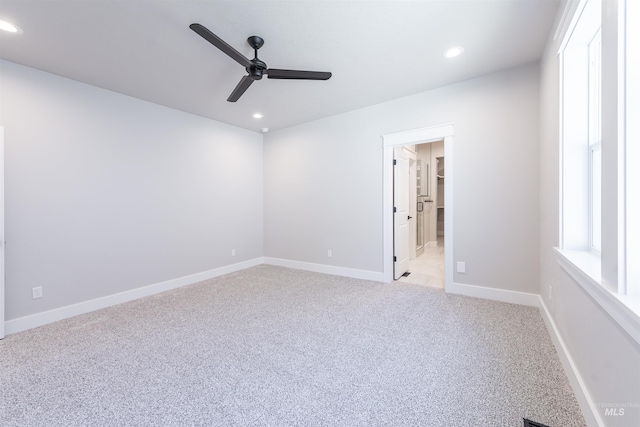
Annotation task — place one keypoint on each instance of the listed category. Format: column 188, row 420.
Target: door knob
column 409, row 217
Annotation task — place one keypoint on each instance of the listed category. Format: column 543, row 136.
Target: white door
column 401, row 215
column 1, row 232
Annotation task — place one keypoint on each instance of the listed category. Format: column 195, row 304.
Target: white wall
column 323, row 180
column 106, row 193
column 606, row 358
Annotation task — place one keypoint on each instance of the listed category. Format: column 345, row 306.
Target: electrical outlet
column 36, row 292
column 233, row 252
column 329, row 253
column 461, row 267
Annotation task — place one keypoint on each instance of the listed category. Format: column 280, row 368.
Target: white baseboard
column 327, row 269
column 39, row 319
column 588, row 407
column 513, row 297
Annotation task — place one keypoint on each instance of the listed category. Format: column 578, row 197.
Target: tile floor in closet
column 428, row 268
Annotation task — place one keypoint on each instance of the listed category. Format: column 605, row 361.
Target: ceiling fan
column 255, row 67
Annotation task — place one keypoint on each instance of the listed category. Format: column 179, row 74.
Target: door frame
column 410, row 137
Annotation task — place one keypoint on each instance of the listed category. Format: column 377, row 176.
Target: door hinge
column 395, row 259
column 395, row 162
column 394, row 209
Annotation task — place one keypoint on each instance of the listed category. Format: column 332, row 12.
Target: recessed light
column 453, row 52
column 264, row 130
column 9, row 27
column 257, row 116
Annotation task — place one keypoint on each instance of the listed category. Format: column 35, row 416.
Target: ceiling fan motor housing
column 257, row 69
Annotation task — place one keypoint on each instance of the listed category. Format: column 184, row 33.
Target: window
column 600, row 150
column 595, row 141
column 581, row 133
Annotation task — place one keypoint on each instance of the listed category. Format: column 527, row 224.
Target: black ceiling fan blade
column 244, row 84
column 274, row 73
column 221, row 44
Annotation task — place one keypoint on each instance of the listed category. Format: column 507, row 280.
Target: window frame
column 621, row 300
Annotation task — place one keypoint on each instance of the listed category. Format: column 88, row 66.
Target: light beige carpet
column 280, row 347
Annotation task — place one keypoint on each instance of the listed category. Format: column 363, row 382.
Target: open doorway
column 417, row 137
column 425, row 183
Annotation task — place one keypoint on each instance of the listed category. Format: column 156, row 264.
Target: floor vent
column 406, row 274
column 529, row 423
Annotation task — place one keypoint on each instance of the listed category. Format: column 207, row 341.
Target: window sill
column 584, row 267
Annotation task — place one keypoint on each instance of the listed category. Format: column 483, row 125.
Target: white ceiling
column 376, row 50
